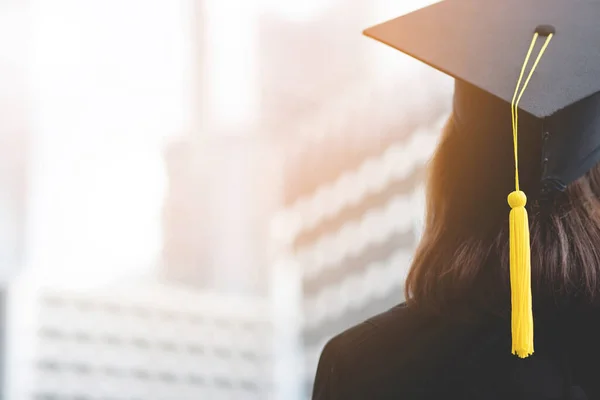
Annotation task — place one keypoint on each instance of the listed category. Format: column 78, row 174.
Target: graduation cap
column 541, row 58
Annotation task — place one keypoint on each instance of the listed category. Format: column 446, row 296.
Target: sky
column 107, row 90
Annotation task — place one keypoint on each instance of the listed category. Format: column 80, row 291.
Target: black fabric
column 401, row 354
column 484, row 43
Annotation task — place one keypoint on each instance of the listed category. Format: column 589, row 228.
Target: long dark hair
column 462, row 259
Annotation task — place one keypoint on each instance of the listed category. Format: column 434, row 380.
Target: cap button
column 545, row 30
column 546, row 135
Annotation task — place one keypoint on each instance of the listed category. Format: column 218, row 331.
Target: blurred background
column 195, row 195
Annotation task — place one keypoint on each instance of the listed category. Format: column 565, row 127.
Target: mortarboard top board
column 482, row 44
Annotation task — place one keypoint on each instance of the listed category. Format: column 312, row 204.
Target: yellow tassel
column 520, row 257
column 520, row 277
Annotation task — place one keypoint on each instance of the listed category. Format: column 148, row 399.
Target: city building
column 140, row 341
column 354, row 207
column 186, row 223
column 15, row 149
column 15, row 134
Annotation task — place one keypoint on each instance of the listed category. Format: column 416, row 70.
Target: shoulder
column 388, row 354
column 381, row 332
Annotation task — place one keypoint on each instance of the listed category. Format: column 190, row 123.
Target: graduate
column 503, row 295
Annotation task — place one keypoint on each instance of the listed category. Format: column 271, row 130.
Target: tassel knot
column 517, row 199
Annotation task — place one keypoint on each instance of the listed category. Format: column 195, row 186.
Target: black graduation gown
column 401, row 354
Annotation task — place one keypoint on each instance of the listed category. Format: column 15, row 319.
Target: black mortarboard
column 483, row 44
column 550, row 51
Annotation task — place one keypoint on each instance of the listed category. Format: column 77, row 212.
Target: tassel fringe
column 520, row 277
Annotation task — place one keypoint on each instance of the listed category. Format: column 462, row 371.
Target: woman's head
column 463, row 255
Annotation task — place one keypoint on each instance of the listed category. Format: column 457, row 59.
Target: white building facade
column 143, row 341
column 355, row 207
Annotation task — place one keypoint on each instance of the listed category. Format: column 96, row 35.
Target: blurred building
column 220, row 195
column 223, row 176
column 186, row 239
column 15, row 132
column 263, row 77
column 354, row 206
column 15, row 136
column 295, row 81
column 136, row 342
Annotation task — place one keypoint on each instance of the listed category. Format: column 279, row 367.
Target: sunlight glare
column 109, row 82
column 231, row 57
column 299, row 11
